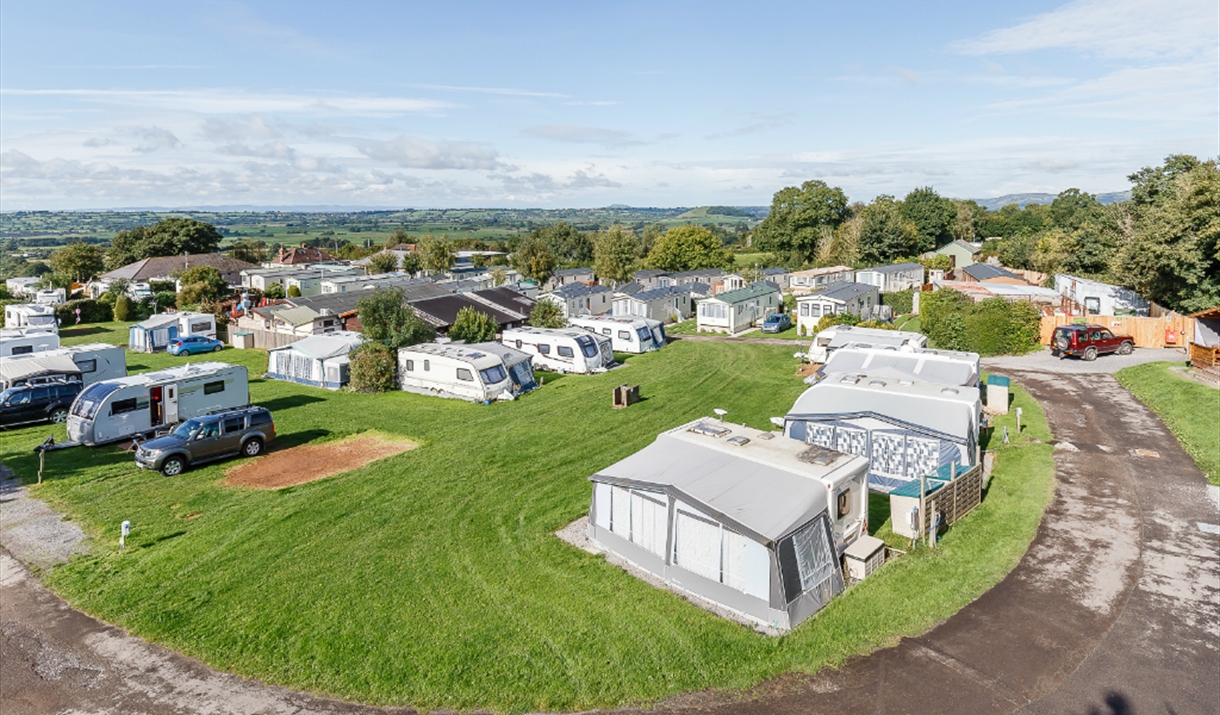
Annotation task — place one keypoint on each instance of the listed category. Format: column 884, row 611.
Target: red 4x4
column 1089, row 341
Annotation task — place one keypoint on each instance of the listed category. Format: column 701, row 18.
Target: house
column 318, row 360
column 301, row 256
column 1097, row 298
column 581, row 299
column 778, row 276
column 987, row 273
column 272, row 326
column 959, row 252
column 307, row 280
column 728, row 282
column 709, row 276
column 164, row 268
column 893, row 278
column 943, row 367
column 567, row 276
column 818, row 278
column 855, row 298
column 905, row 429
column 738, row 310
column 160, row 330
column 667, row 305
column 648, row 278
column 1205, row 345
column 742, row 520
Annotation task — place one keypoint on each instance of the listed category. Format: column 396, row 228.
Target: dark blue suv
column 44, row 402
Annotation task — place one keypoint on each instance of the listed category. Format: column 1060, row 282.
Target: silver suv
column 241, row 431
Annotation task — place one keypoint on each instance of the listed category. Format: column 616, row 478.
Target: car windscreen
column 587, row 346
column 492, row 375
column 187, row 429
column 91, row 399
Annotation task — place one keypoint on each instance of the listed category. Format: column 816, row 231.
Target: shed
column 318, row 360
column 960, row 252
column 1205, row 346
column 160, row 330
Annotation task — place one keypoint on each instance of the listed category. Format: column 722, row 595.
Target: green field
column 1187, row 407
column 432, row 578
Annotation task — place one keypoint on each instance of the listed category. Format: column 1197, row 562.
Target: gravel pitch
column 31, row 530
column 1045, row 362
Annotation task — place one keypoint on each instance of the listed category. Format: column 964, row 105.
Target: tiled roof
column 842, row 291
column 578, row 290
column 164, row 266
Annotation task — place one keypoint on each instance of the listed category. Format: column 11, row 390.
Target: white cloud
column 270, row 150
column 582, row 135
column 222, row 101
column 253, row 127
column 154, row 139
column 508, row 91
column 415, row 153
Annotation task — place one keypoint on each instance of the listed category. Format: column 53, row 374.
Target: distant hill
column 707, row 212
column 1023, row 199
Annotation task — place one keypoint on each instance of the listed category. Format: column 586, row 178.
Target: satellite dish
column 720, row 413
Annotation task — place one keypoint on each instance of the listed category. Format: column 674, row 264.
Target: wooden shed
column 1205, row 346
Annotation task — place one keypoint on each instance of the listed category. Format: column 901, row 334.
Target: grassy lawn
column 432, row 578
column 747, row 260
column 907, row 322
column 1187, row 407
column 687, row 327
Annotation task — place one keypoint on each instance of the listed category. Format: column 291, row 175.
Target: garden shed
column 1205, row 345
column 319, row 360
column 749, row 521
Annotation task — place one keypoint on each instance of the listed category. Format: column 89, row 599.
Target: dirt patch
column 807, row 369
column 311, row 462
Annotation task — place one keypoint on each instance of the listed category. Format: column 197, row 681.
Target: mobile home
column 905, row 428
column 160, row 330
column 453, row 370
column 24, row 341
column 112, row 410
column 562, row 349
column 30, row 315
column 837, row 336
column 50, row 296
column 749, row 521
column 627, row 335
column 943, row 367
column 319, row 360
column 88, row 363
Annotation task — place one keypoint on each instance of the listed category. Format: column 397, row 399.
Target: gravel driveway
column 1044, row 361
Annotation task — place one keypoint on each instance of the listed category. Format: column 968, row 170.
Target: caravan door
column 170, row 407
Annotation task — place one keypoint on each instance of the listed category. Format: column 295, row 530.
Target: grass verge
column 1187, row 407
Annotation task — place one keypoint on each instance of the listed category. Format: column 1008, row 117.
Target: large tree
column 534, row 258
column 885, row 235
column 167, row 237
column 1073, row 208
column 570, row 246
column 386, row 318
column 385, row 262
column 473, row 326
column 688, row 248
column 932, row 214
column 793, row 228
column 614, row 254
column 201, row 284
column 436, row 254
column 77, row 262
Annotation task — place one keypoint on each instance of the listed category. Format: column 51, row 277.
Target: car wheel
column 1125, row 349
column 59, row 415
column 173, row 466
column 1090, row 354
column 218, row 348
column 252, row 447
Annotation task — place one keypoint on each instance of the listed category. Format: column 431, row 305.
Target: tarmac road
column 1114, row 610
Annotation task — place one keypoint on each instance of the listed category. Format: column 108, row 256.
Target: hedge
column 91, row 311
column 901, row 301
column 953, row 321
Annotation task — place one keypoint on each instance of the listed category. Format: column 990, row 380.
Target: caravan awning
column 15, row 369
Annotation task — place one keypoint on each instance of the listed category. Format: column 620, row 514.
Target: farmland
column 432, row 577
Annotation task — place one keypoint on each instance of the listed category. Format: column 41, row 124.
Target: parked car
column 194, row 344
column 776, row 322
column 43, row 402
column 1089, row 341
column 241, row 431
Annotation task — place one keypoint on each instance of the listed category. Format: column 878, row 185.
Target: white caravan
column 562, row 349
column 837, row 336
column 943, row 367
column 24, row 341
column 453, row 370
column 112, row 410
column 50, row 296
column 30, row 315
column 88, row 363
column 627, row 335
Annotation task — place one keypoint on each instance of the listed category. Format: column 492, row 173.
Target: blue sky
column 387, row 104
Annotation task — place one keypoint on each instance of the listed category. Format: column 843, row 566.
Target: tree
column 968, row 220
column 294, row 291
column 568, row 245
column 384, row 262
column 886, row 236
column 372, row 368
column 386, row 318
column 435, row 254
column 1018, row 251
column 201, row 284
column 534, row 258
column 1152, row 185
column 250, row 251
column 473, row 326
column 793, row 228
column 167, row 237
column 275, row 291
column 77, row 262
column 1073, row 208
column 498, row 277
column 688, row 248
column 122, row 308
column 547, row 314
column 398, row 238
column 933, row 216
column 614, row 254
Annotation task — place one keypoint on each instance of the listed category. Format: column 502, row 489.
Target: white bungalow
column 738, row 310
column 854, row 298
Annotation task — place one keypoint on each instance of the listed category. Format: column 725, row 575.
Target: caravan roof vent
column 877, row 383
column 767, row 435
column 850, row 379
column 949, row 390
column 739, row 440
column 817, row 454
column 710, row 430
column 906, row 382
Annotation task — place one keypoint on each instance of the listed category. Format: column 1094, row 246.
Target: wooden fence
column 956, row 499
column 1147, row 332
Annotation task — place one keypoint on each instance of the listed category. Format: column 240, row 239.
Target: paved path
column 1044, row 361
column 1114, row 610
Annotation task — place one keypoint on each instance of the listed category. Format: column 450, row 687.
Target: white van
column 112, row 410
column 627, row 335
column 461, row 371
column 88, row 363
column 30, row 315
column 25, row 341
column 562, row 349
column 837, row 336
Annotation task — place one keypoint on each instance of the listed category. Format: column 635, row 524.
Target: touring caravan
column 112, row 410
column 160, row 330
column 87, row 363
column 562, row 349
column 453, row 370
column 943, row 367
column 25, row 341
column 836, row 336
column 627, row 335
column 518, row 363
column 30, row 315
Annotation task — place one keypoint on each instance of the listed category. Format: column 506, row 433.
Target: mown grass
column 1188, row 408
column 432, row 578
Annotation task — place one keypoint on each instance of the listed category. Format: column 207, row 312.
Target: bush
column 547, row 314
column 165, row 299
column 122, row 308
column 373, row 368
column 836, row 319
column 473, row 327
column 993, row 327
column 294, row 291
column 901, row 302
column 91, row 311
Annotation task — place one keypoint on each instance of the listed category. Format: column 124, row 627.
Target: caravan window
column 587, row 346
column 23, row 349
column 606, row 331
column 201, row 327
column 211, row 388
column 565, row 351
column 544, row 349
column 624, row 335
column 427, row 366
column 844, row 503
column 87, row 365
column 118, row 407
column 644, row 333
column 90, row 400
column 518, row 344
column 464, row 374
column 410, row 366
column 492, row 375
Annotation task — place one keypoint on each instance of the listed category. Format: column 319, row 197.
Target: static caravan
column 30, row 315
column 51, row 296
column 837, row 336
column 627, row 335
column 906, row 429
column 25, row 341
column 562, row 349
column 319, row 360
column 160, row 330
column 518, row 363
column 943, row 367
column 88, row 363
column 112, row 410
column 750, row 521
column 453, row 370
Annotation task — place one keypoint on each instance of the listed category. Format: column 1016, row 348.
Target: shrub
column 294, row 291
column 91, row 311
column 836, row 319
column 901, row 301
column 275, row 291
column 372, row 368
column 993, row 327
column 165, row 299
column 122, row 308
column 547, row 314
column 473, row 326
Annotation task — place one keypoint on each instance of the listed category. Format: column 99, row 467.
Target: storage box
column 997, row 394
column 864, row 556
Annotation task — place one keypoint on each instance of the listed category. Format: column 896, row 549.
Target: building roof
column 952, row 411
column 579, row 290
column 164, row 266
column 894, row 268
column 336, row 303
column 698, row 288
column 814, row 272
column 905, row 364
column 766, row 486
column 647, row 273
column 442, row 311
column 697, row 273
column 294, row 316
column 631, row 288
column 506, row 299
column 985, row 290
column 754, row 290
column 986, row 271
column 573, row 272
column 398, row 253
column 774, row 272
column 959, row 243
column 840, row 292
column 647, row 296
column 323, row 347
column 302, row 255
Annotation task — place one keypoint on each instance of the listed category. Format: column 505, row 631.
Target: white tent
column 319, row 360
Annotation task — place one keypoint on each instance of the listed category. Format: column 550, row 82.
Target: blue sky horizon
column 549, row 105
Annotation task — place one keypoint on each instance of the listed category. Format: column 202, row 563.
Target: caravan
column 562, row 349
column 82, row 363
column 943, row 367
column 25, row 341
column 627, row 335
column 160, row 330
column 30, row 315
column 112, row 410
column 319, row 360
column 837, row 336
column 453, row 370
